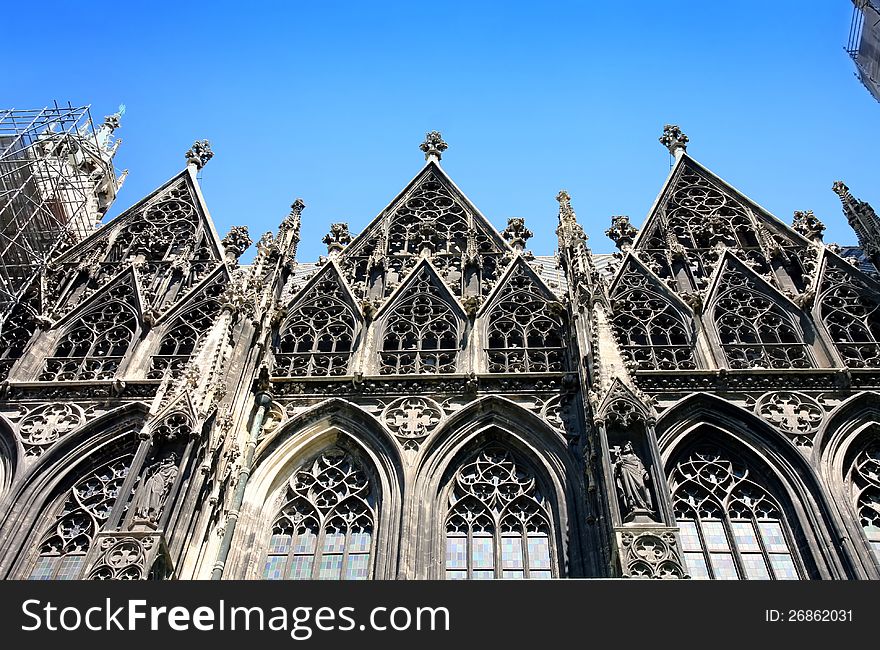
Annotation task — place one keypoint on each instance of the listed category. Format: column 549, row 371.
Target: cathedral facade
column 430, row 400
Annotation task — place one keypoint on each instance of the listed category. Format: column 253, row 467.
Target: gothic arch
column 848, row 452
column 44, row 486
column 10, row 453
column 702, row 420
column 498, row 423
column 333, row 424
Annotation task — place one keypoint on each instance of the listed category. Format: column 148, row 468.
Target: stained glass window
column 730, row 526
column 325, row 530
column 864, row 486
column 498, row 524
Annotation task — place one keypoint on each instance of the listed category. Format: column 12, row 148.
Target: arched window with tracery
column 95, row 345
column 317, row 339
column 731, row 527
column 326, row 529
column 651, row 332
column 179, row 343
column 164, row 228
column 863, row 483
column 498, row 524
column 851, row 314
column 16, row 331
column 86, row 506
column 525, row 331
column 421, row 331
column 755, row 331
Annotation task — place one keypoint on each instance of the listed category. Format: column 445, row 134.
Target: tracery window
column 755, row 332
column 852, row 316
column 421, row 332
column 15, row 334
column 498, row 525
column 524, row 334
column 95, row 345
column 864, row 485
column 318, row 337
column 731, row 527
column 164, row 228
column 650, row 331
column 63, row 547
column 178, row 345
column 326, row 529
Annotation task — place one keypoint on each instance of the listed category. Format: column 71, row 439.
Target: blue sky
column 329, row 101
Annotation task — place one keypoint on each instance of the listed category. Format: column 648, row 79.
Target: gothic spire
column 288, row 231
column 862, row 219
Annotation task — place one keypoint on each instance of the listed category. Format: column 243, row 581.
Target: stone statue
column 631, row 479
column 154, row 490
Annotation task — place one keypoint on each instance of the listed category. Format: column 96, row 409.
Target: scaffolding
column 863, row 44
column 57, row 181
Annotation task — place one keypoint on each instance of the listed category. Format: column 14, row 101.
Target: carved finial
column 236, row 241
column 673, row 139
column 292, row 221
column 621, row 232
column 113, row 122
column 564, row 199
column 199, row 154
column 517, row 233
column 841, row 189
column 807, row 224
column 433, row 146
column 337, row 239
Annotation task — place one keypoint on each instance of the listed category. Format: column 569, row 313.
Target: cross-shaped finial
column 673, row 139
column 199, row 154
column 433, row 146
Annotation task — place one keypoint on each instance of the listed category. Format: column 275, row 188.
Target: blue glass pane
column 690, row 539
column 358, row 567
column 70, row 567
column 482, row 553
column 713, row 533
column 456, row 575
column 540, row 575
column 774, row 540
column 513, row 575
column 279, row 544
column 783, row 567
column 331, row 567
column 45, row 568
column 723, row 566
column 539, row 552
column 359, row 542
column 456, row 552
column 334, row 542
column 301, row 567
column 306, row 541
column 274, row 569
column 746, row 540
column 484, row 575
column 696, row 566
column 511, row 553
column 756, row 568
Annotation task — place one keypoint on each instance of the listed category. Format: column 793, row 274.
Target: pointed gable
column 431, row 213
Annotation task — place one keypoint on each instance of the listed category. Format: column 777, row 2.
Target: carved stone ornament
column 621, row 232
column 650, row 554
column 236, row 241
column 807, row 224
column 127, row 556
column 673, row 138
column 516, row 232
column 412, row 419
column 433, row 145
column 199, row 154
column 45, row 425
column 797, row 415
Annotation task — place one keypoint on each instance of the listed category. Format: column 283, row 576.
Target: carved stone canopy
column 433, row 145
column 673, row 138
column 199, row 154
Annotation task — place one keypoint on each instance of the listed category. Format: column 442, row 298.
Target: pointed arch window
column 421, row 333
column 731, row 526
column 95, row 345
column 756, row 332
column 852, row 317
column 525, row 332
column 166, row 227
column 179, row 343
column 318, row 337
column 15, row 333
column 498, row 524
column 652, row 334
column 863, row 481
column 63, row 547
column 326, row 529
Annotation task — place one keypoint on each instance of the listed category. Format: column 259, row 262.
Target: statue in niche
column 154, row 490
column 631, row 479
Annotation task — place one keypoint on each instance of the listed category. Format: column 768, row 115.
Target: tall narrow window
column 180, row 342
column 16, row 330
column 755, row 332
column 525, row 331
column 326, row 529
column 421, row 333
column 498, row 525
column 95, row 345
column 851, row 314
column 63, row 547
column 731, row 527
column 864, row 485
column 318, row 337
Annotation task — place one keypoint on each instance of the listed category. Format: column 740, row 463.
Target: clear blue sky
column 329, row 101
